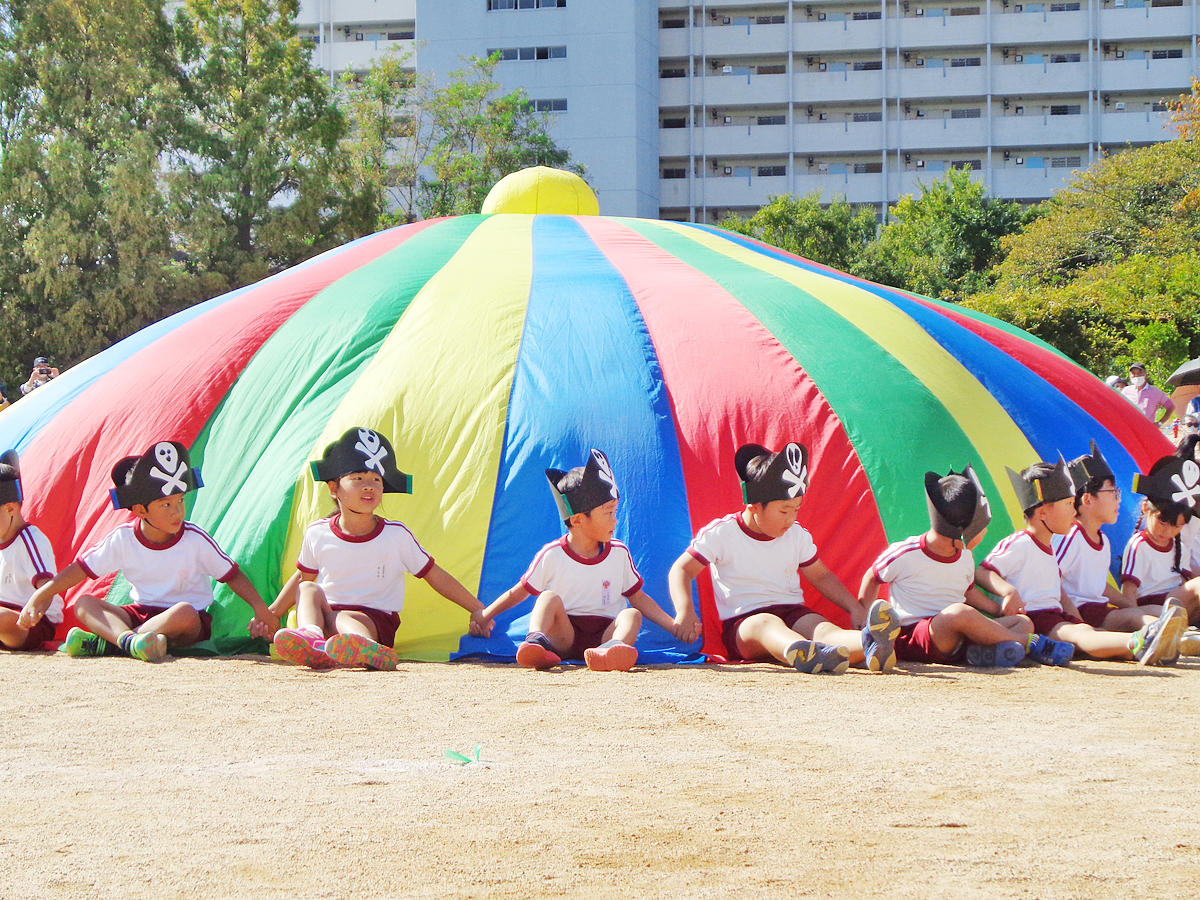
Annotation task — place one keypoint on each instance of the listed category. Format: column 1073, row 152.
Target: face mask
column 1139, row 381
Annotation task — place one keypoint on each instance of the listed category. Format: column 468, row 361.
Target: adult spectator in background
column 1146, row 397
column 4, row 401
column 42, row 373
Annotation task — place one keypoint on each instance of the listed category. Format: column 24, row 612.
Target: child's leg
column 180, row 625
column 549, row 617
column 346, row 621
column 960, row 621
column 101, row 618
column 818, row 628
column 624, row 627
column 1131, row 618
column 12, row 635
column 1100, row 644
column 312, row 609
column 1189, row 594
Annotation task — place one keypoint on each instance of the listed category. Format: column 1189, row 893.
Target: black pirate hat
column 163, row 470
column 10, row 485
column 596, row 486
column 1032, row 493
column 1084, row 468
column 962, row 523
column 785, row 478
column 1173, row 480
column 362, row 450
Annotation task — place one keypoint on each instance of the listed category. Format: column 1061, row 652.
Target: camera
column 44, row 370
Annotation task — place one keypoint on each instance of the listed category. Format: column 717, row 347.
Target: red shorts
column 791, row 613
column 1152, row 600
column 915, row 644
column 589, row 632
column 40, row 633
column 385, row 622
column 1094, row 613
column 140, row 613
column 1045, row 619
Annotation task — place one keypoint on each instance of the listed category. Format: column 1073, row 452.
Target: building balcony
column 354, row 55
column 1041, row 78
column 1035, row 129
column 734, row 40
column 737, row 90
column 356, row 12
column 1034, row 27
column 1022, row 183
column 811, row 136
column 1121, row 25
column 932, row 80
column 739, row 140
column 1143, row 127
column 837, row 86
column 823, row 38
column 1172, row 76
column 922, row 134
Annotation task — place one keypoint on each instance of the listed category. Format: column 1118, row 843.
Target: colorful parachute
column 490, row 347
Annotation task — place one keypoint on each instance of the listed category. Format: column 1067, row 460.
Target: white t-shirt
column 1029, row 566
column 1190, row 536
column 588, row 587
column 26, row 559
column 362, row 570
column 162, row 574
column 749, row 570
column 920, row 583
column 1150, row 565
column 1083, row 565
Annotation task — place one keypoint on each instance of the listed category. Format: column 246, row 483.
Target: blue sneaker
column 1003, row 655
column 879, row 637
column 1050, row 653
column 812, row 658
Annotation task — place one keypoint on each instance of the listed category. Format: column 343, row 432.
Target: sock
column 612, row 643
column 1029, row 639
column 536, row 637
column 124, row 640
column 314, row 631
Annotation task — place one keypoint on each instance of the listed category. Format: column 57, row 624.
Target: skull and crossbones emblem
column 372, row 449
column 605, row 472
column 172, row 470
column 1188, row 482
column 796, row 474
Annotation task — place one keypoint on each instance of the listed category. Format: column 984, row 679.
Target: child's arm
column 41, row 599
column 684, row 570
column 1129, row 590
column 1116, row 598
column 868, row 591
column 819, row 576
column 643, row 603
column 1010, row 598
column 510, row 598
column 450, row 588
column 981, row 601
column 266, row 620
column 1068, row 606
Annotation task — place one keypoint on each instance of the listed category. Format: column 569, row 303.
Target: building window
column 1064, row 57
column 672, row 73
column 674, row 173
column 771, row 171
column 871, row 168
column 507, row 53
column 1071, row 110
column 772, row 70
column 1074, row 7
column 965, row 11
column 772, row 120
column 966, row 164
column 868, row 65
column 778, row 20
column 964, row 113
column 680, row 122
column 1166, row 54
column 526, row 4
column 868, row 116
column 964, row 63
column 672, row 23
column 1064, row 162
column 865, row 16
column 559, row 104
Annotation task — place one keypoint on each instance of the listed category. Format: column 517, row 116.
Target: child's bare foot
column 611, row 657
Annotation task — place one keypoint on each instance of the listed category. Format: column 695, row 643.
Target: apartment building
column 692, row 110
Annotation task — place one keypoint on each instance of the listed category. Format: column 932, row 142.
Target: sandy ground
column 222, row 778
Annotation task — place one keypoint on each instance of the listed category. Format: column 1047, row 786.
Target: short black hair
column 961, row 498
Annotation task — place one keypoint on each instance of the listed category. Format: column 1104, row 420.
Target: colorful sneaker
column 357, row 650
column 84, row 643
column 1050, row 653
column 1003, row 655
column 302, row 648
column 879, row 637
column 535, row 652
column 146, row 647
column 613, row 658
column 1160, row 639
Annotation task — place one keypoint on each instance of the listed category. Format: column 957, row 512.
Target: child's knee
column 549, row 600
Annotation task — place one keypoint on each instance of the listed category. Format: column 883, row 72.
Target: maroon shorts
column 1152, row 600
column 589, row 632
column 40, row 633
column 1094, row 613
column 385, row 622
column 140, row 613
column 1045, row 619
column 915, row 644
column 791, row 613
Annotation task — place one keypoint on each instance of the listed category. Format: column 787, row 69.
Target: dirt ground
column 201, row 778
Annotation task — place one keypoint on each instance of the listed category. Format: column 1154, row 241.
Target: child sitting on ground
column 350, row 579
column 1153, row 568
column 26, row 561
column 931, row 581
column 590, row 601
column 1023, row 571
column 167, row 561
column 756, row 555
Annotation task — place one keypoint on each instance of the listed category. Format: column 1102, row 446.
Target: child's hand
column 481, row 625
column 264, row 626
column 858, row 615
column 1012, row 604
column 687, row 628
column 32, row 612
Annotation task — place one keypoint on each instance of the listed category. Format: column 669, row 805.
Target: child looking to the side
column 756, row 555
column 590, row 603
column 349, row 583
column 26, row 562
column 168, row 562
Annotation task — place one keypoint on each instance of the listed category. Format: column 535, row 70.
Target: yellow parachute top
column 540, row 189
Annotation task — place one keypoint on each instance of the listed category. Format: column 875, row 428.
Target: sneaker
column 1003, row 655
column 832, row 659
column 812, row 658
column 147, row 647
column 535, row 652
column 1160, row 639
column 614, row 658
column 84, row 643
column 357, row 650
column 1050, row 653
column 302, row 648
column 800, row 656
column 1189, row 643
column 879, row 636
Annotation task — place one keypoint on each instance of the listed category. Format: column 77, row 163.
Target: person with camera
column 42, row 373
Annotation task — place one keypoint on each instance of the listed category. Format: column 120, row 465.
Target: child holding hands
column 590, row 603
column 349, row 582
column 26, row 562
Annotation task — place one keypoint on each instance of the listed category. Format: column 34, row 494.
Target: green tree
column 832, row 235
column 942, row 242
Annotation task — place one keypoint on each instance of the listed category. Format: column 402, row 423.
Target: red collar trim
column 942, row 559
column 5, row 546
column 1049, row 551
column 1155, row 544
column 758, row 536
column 1098, row 545
column 598, row 558
column 150, row 545
column 354, row 538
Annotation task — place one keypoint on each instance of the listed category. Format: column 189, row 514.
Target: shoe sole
column 356, row 650
column 295, row 649
column 883, row 627
column 832, row 659
column 157, row 653
column 618, row 658
column 800, row 656
column 535, row 656
column 1168, row 637
column 1004, row 655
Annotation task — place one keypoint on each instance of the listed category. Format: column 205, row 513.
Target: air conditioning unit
column 728, row 170
column 920, row 113
column 821, row 67
column 1020, row 160
column 1118, row 2
column 919, row 11
column 823, row 117
column 920, row 163
column 1120, row 54
column 358, row 35
column 1120, row 105
column 820, row 17
column 1020, row 57
column 823, row 168
column 728, row 120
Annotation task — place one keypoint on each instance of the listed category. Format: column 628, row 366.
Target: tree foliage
column 833, row 235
